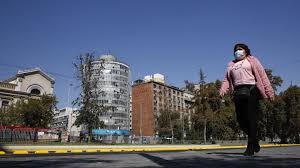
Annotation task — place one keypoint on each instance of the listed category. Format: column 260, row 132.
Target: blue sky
column 171, row 37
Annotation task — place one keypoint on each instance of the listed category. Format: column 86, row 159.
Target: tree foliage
column 32, row 112
column 218, row 113
column 13, row 115
column 280, row 118
column 168, row 122
column 291, row 115
column 276, row 81
column 39, row 112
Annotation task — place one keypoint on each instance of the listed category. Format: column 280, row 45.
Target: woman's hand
column 221, row 93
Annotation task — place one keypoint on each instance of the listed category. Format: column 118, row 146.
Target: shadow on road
column 61, row 162
column 158, row 159
column 260, row 162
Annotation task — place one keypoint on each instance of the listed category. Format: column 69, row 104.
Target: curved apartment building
column 114, row 81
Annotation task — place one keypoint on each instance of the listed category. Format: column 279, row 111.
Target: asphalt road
column 268, row 157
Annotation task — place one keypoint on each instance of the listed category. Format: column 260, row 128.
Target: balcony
column 7, row 86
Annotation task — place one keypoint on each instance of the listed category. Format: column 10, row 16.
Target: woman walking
column 247, row 80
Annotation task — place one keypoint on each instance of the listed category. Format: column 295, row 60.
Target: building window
column 35, row 92
column 4, row 105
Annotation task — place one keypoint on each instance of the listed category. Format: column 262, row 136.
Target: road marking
column 135, row 149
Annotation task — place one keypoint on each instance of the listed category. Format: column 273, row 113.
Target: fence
column 15, row 134
column 25, row 135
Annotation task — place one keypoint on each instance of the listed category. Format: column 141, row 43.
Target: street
column 268, row 157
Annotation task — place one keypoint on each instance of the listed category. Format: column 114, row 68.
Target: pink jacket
column 262, row 82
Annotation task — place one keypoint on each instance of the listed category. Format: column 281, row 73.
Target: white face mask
column 239, row 54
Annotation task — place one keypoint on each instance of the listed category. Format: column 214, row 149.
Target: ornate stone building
column 25, row 84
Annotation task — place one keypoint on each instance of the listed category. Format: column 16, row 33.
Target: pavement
column 23, row 150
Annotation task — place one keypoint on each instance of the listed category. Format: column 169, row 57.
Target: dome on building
column 108, row 57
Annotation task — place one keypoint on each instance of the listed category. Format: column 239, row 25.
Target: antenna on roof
column 106, row 51
column 109, row 51
column 139, row 75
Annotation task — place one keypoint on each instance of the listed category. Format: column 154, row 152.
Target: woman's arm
column 226, row 83
column 265, row 80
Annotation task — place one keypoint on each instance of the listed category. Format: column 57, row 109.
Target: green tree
column 270, row 110
column 90, row 108
column 291, row 126
column 220, row 115
column 13, row 115
column 203, row 110
column 276, row 81
column 39, row 112
column 33, row 112
column 168, row 118
column 276, row 121
column 222, row 124
column 168, row 124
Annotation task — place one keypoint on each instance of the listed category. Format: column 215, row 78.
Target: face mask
column 239, row 54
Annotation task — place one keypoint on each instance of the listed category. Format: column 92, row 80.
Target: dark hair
column 243, row 46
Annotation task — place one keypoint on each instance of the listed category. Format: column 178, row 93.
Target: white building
column 114, row 82
column 156, row 78
column 64, row 120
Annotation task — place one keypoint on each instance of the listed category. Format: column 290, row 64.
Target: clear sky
column 172, row 37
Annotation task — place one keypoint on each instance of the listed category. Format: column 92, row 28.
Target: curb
column 131, row 149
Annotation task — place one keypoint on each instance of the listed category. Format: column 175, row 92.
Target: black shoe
column 256, row 147
column 249, row 151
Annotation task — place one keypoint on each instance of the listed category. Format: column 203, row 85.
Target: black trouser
column 247, row 109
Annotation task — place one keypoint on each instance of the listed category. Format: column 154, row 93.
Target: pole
column 68, row 101
column 171, row 126
column 141, row 122
column 183, row 132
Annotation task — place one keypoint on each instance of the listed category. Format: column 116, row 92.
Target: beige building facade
column 25, row 84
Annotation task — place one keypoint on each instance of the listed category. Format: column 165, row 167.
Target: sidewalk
column 16, row 150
